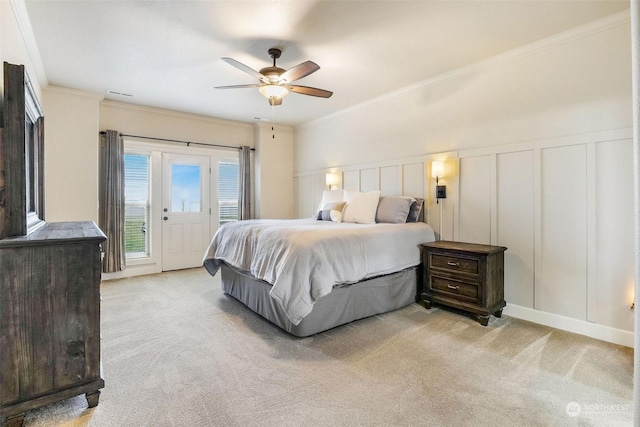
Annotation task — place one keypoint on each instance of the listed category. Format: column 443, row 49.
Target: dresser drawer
column 455, row 264
column 459, row 289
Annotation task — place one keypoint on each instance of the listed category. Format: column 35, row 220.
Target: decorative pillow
column 361, row 207
column 329, row 196
column 331, row 212
column 394, row 209
column 414, row 211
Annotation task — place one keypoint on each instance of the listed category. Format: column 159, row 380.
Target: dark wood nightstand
column 466, row 276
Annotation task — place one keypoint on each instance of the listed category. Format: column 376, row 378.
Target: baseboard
column 593, row 330
column 133, row 270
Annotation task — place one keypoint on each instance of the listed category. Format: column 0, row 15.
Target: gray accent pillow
column 394, row 210
column 331, row 212
column 414, row 211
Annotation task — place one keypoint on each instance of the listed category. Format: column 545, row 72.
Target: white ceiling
column 167, row 53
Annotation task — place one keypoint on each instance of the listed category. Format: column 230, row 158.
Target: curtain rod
column 177, row 140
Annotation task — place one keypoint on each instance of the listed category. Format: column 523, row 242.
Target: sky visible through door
column 185, row 188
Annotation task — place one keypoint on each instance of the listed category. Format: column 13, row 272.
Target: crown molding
column 19, row 8
column 74, row 92
column 547, row 43
column 155, row 110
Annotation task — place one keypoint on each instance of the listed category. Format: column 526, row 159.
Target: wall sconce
column 331, row 180
column 437, row 172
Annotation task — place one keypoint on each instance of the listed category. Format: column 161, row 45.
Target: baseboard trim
column 132, row 271
column 593, row 330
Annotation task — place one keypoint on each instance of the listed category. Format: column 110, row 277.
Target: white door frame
column 153, row 264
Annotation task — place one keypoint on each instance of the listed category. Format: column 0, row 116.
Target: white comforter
column 303, row 259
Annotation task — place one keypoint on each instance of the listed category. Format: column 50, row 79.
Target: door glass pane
column 137, row 205
column 185, row 188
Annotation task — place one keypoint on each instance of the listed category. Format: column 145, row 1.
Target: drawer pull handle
column 453, row 287
column 453, row 264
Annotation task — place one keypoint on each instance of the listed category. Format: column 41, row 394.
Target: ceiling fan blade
column 313, row 91
column 246, row 69
column 299, row 71
column 238, row 86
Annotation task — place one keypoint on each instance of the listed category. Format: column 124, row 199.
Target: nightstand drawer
column 454, row 263
column 457, row 288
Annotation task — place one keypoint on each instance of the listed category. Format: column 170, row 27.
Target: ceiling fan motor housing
column 272, row 73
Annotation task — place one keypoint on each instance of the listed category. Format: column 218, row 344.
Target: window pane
column 228, row 191
column 185, row 188
column 137, row 202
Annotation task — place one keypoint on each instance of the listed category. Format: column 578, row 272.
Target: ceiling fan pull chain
column 273, row 121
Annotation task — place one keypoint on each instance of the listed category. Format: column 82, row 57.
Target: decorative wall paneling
column 408, row 177
column 351, row 180
column 369, row 179
column 557, row 204
column 474, row 198
column 515, row 214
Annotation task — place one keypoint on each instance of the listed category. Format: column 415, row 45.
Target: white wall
column 274, row 171
column 576, row 83
column 154, row 122
column 539, row 160
column 71, row 155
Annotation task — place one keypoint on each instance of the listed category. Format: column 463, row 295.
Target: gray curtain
column 244, row 193
column 111, row 194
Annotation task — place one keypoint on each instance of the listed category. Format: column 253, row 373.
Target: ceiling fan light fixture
column 273, row 91
column 275, row 82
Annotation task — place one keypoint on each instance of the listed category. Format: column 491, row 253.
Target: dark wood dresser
column 465, row 276
column 49, row 318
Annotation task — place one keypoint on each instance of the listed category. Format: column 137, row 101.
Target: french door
column 186, row 210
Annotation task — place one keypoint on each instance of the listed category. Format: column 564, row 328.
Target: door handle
column 165, row 209
column 165, row 218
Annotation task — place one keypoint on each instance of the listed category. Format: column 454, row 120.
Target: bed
column 310, row 275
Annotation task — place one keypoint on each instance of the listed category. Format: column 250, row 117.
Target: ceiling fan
column 275, row 82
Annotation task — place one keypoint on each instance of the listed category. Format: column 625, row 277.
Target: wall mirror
column 22, row 154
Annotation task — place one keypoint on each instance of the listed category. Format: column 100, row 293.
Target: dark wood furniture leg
column 14, row 421
column 483, row 320
column 92, row 398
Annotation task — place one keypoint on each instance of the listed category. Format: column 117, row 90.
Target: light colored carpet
column 178, row 352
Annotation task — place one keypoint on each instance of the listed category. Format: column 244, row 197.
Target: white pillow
column 329, row 196
column 361, row 207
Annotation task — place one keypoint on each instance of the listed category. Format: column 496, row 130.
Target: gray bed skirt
column 343, row 305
